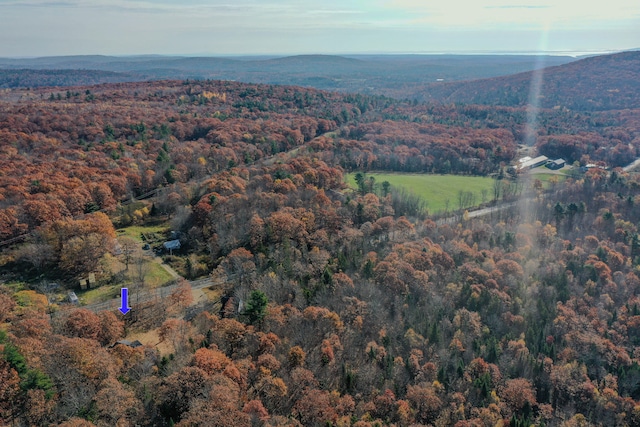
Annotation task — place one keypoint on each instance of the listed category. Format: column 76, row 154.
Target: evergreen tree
column 256, row 307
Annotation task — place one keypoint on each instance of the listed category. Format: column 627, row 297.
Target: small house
column 73, row 298
column 132, row 344
column 171, row 245
column 590, row 166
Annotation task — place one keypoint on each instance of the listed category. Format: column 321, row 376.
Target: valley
column 297, row 256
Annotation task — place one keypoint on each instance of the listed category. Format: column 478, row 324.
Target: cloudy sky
column 228, row 27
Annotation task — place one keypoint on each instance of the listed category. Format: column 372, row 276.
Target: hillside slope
column 609, row 82
column 329, row 306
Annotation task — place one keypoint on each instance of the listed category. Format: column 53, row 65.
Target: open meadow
column 440, row 192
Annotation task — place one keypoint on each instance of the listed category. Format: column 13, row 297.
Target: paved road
column 492, row 209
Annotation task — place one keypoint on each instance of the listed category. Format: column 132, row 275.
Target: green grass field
column 136, row 231
column 102, row 293
column 545, row 178
column 435, row 189
column 156, row 276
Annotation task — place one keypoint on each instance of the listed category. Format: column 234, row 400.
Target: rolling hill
column 42, row 78
column 399, row 76
column 609, row 82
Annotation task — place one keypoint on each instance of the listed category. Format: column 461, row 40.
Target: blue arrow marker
column 124, row 293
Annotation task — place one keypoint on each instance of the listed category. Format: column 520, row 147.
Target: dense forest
column 337, row 306
column 74, row 151
column 35, row 78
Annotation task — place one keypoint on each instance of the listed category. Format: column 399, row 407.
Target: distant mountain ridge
column 607, row 82
column 392, row 75
column 42, row 78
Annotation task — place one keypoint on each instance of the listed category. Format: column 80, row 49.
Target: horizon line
column 571, row 53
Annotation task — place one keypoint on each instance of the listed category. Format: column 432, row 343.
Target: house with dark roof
column 132, row 344
column 171, row 245
column 556, row 164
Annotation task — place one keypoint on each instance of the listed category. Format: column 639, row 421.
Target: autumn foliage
column 332, row 308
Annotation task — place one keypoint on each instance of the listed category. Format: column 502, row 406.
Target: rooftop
column 172, row 245
column 532, row 162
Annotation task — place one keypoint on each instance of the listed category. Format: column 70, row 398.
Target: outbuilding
column 533, row 163
column 73, row 298
column 556, row 164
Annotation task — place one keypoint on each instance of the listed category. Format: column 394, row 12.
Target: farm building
column 532, row 163
column 524, row 159
column 88, row 282
column 556, row 164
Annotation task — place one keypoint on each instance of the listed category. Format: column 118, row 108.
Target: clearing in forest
column 441, row 192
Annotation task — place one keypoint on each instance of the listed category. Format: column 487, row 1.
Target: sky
column 31, row 28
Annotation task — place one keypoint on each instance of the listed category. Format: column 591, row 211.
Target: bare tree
column 37, row 254
column 129, row 248
column 139, row 273
column 497, row 189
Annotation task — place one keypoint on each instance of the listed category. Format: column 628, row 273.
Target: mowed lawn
column 435, row 189
column 136, row 231
column 546, row 178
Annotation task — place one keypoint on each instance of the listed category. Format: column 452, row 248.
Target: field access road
column 477, row 213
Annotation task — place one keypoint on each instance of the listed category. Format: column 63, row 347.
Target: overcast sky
column 228, row 27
